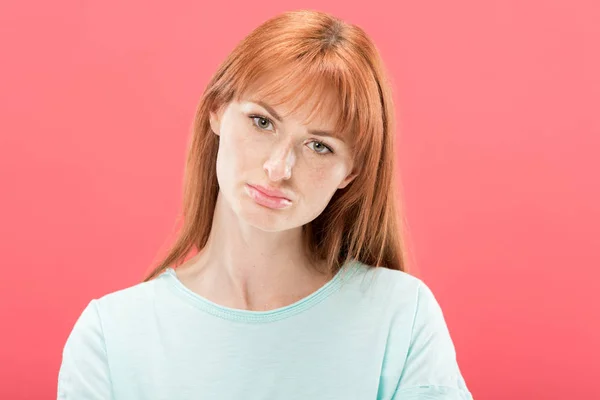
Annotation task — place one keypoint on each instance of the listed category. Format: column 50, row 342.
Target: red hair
column 303, row 53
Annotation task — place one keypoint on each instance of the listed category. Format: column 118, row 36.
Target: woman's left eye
column 321, row 148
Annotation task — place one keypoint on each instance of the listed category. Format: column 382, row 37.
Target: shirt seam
column 466, row 391
column 412, row 334
column 96, row 305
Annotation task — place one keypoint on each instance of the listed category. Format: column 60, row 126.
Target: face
column 263, row 145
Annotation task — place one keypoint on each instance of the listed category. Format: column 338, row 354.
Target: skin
column 254, row 258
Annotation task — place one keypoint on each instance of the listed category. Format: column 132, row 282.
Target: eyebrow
column 278, row 118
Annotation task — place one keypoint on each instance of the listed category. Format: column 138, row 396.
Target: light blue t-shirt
column 369, row 333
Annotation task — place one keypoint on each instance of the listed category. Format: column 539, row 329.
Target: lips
column 273, row 202
column 277, row 194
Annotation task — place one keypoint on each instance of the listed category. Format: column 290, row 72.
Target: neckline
column 251, row 316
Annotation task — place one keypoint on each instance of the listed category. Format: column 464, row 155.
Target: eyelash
column 255, row 116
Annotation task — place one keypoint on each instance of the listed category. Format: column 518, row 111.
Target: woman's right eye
column 261, row 122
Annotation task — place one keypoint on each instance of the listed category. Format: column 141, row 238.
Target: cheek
column 237, row 149
column 326, row 177
column 319, row 177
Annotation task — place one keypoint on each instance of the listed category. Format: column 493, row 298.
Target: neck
column 248, row 268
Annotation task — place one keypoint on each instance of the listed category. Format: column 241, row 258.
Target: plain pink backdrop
column 498, row 145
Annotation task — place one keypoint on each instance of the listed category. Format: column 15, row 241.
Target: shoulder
column 399, row 290
column 411, row 288
column 133, row 295
column 130, row 310
column 402, row 303
column 407, row 308
column 409, row 302
column 120, row 309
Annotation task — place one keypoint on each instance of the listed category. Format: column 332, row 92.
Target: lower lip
column 265, row 200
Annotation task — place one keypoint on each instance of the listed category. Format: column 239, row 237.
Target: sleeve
column 84, row 372
column 431, row 370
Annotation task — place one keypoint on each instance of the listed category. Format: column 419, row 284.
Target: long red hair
column 303, row 53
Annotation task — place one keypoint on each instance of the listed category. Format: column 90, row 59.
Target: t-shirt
column 368, row 333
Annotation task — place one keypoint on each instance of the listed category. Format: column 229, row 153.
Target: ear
column 215, row 121
column 348, row 179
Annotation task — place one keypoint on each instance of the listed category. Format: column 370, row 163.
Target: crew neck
column 250, row 316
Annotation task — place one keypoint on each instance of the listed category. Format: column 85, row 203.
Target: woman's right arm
column 84, row 372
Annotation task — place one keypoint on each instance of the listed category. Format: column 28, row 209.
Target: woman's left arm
column 431, row 370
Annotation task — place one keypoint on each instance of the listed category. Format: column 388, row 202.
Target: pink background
column 498, row 106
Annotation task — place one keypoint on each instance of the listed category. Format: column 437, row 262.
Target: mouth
column 265, row 200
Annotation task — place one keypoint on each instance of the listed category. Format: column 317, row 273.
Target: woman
column 299, row 287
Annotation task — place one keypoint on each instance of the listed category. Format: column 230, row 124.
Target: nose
column 280, row 162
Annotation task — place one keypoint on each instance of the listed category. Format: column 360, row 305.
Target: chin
column 264, row 218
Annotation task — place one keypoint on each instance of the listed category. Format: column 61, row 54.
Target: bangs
column 317, row 83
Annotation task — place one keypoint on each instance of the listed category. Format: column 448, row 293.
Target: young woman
column 299, row 286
